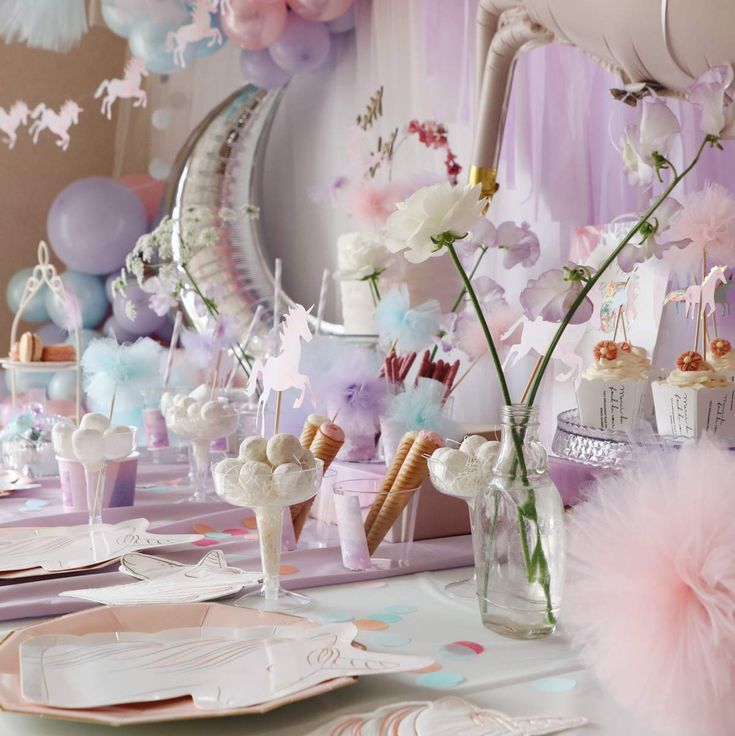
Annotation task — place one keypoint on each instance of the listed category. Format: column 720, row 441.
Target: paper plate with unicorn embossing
column 133, row 664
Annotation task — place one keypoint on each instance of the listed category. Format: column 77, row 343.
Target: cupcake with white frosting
column 695, row 398
column 612, row 391
column 722, row 357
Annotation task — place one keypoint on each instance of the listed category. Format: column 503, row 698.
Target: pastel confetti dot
column 205, row 542
column 369, row 624
column 386, row 618
column 202, row 529
column 433, row 667
column 236, row 532
column 35, row 504
column 216, row 535
column 332, row 617
column 460, row 650
column 288, row 570
column 400, row 610
column 440, row 679
column 249, row 522
column 554, row 684
column 389, row 639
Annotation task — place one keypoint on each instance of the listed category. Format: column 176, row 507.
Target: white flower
column 654, row 134
column 657, row 237
column 713, row 92
column 431, row 212
column 363, row 256
column 552, row 294
column 161, row 297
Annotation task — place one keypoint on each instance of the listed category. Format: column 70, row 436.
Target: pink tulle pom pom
column 650, row 597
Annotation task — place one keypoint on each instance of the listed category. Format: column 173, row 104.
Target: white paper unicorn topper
column 11, row 120
column 128, row 86
column 198, row 29
column 281, row 372
column 58, row 123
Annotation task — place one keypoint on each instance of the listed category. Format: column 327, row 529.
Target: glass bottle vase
column 519, row 535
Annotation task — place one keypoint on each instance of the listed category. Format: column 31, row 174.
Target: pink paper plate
column 147, row 619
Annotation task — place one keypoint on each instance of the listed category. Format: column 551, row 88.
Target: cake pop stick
column 172, row 347
column 323, row 290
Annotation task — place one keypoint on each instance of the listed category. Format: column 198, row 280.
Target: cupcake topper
column 719, row 347
column 690, row 361
column 605, row 350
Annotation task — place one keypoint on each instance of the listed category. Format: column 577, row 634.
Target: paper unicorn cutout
column 11, row 120
column 198, row 29
column 281, row 372
column 446, row 715
column 165, row 581
column 129, row 86
column 618, row 294
column 218, row 668
column 70, row 547
column 536, row 337
column 691, row 295
column 44, row 118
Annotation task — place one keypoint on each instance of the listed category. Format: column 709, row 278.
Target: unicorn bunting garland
column 127, row 87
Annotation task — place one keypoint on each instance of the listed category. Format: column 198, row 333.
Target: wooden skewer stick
column 277, row 421
column 617, row 323
column 622, row 324
column 112, row 404
column 531, row 379
column 464, row 375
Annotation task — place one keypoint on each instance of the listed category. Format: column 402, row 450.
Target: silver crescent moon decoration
column 221, row 165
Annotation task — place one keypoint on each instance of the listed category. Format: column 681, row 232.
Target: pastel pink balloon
column 148, row 190
column 254, row 24
column 319, row 9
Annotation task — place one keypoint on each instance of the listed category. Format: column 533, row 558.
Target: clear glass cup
column 268, row 495
column 375, row 528
column 467, row 485
column 201, row 433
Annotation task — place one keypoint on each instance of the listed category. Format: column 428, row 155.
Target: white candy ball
column 287, row 478
column 89, row 446
column 253, row 448
column 186, row 402
column 213, row 411
column 179, row 399
column 227, row 475
column 470, row 445
column 94, row 420
column 439, row 453
column 283, row 448
column 193, row 411
column 454, row 462
column 167, row 401
column 200, row 393
column 253, row 469
column 488, row 452
column 61, row 438
column 119, row 442
column 307, row 461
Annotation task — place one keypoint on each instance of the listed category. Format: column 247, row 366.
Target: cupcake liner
column 691, row 412
column 611, row 405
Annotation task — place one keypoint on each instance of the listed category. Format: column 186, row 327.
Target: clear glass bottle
column 519, row 535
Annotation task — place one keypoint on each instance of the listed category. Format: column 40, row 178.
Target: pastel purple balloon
column 146, row 320
column 259, row 69
column 94, row 223
column 112, row 329
column 344, row 23
column 302, row 47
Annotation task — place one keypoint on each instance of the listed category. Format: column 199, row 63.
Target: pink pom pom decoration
column 650, row 596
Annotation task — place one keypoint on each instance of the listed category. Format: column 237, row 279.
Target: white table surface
column 520, row 678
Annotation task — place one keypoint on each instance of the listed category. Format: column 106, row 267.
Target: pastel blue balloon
column 90, row 292
column 85, row 337
column 50, row 333
column 36, row 309
column 63, row 385
column 151, row 42
column 119, row 18
column 27, row 380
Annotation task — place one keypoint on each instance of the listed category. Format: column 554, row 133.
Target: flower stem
column 483, row 323
column 484, row 249
column 596, row 277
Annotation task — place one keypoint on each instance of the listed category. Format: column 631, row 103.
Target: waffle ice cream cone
column 412, row 474
column 310, row 428
column 390, row 476
column 327, row 443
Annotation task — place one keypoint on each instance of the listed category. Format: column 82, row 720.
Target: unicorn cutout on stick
column 44, row 118
column 281, row 372
column 128, row 86
column 11, row 120
column 704, row 295
column 200, row 28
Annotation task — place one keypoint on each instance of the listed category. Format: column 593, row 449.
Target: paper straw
column 277, row 294
column 244, row 345
column 323, row 291
column 172, row 347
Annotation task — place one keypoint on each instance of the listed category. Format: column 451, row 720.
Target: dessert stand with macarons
column 27, row 353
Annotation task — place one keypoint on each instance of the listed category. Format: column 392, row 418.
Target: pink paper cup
column 120, row 478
